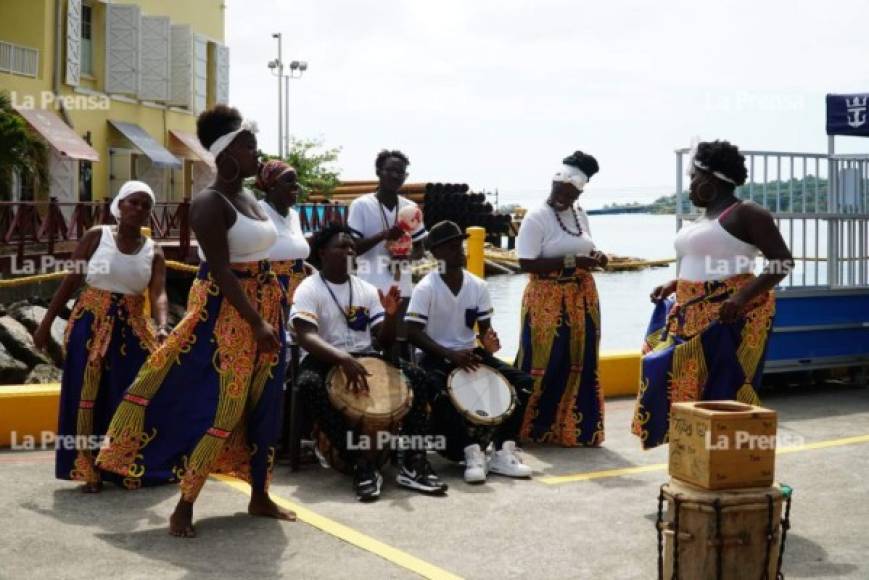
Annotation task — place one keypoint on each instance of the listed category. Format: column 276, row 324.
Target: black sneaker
column 416, row 473
column 367, row 482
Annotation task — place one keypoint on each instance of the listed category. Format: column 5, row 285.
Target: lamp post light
column 297, row 69
column 277, row 66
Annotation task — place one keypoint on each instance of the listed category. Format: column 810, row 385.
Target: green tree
column 314, row 166
column 21, row 151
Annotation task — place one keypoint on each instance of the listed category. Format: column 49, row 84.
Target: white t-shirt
column 291, row 243
column 368, row 217
column 313, row 303
column 448, row 318
column 540, row 235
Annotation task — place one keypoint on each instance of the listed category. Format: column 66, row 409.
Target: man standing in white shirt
column 444, row 308
column 373, row 220
column 336, row 315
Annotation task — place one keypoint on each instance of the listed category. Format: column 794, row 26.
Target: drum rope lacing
column 677, row 503
column 719, row 561
column 660, row 526
column 785, row 526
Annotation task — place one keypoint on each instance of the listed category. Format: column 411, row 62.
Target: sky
column 496, row 93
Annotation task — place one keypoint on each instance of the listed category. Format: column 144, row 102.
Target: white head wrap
column 225, row 140
column 692, row 163
column 571, row 174
column 128, row 189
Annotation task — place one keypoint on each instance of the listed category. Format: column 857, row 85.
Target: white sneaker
column 507, row 462
column 475, row 464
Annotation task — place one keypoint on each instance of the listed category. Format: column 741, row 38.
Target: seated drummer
column 335, row 316
column 443, row 309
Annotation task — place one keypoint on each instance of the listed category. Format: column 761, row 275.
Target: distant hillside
column 793, row 193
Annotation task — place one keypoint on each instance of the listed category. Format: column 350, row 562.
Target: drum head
column 388, row 396
column 484, row 396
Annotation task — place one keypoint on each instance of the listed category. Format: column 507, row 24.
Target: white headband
column 717, row 174
column 571, row 174
column 128, row 189
column 223, row 141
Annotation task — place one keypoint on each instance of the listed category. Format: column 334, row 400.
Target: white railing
column 20, row 60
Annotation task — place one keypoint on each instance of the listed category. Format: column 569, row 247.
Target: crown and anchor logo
column 856, row 110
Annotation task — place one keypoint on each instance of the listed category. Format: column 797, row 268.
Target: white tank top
column 705, row 251
column 291, row 243
column 111, row 270
column 249, row 239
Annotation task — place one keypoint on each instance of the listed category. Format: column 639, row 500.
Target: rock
column 19, row 343
column 43, row 374
column 31, row 317
column 12, row 372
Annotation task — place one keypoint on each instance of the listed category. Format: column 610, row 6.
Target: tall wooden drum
column 721, row 535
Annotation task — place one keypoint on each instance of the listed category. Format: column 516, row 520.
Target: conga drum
column 733, row 534
column 483, row 397
column 381, row 409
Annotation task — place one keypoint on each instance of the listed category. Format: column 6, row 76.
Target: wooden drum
column 722, row 535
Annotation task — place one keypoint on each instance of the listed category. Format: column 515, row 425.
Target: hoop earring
column 237, row 170
column 703, row 198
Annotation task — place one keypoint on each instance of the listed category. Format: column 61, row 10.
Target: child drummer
column 443, row 310
column 336, row 315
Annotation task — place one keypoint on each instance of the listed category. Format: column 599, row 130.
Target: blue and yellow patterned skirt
column 206, row 401
column 689, row 355
column 107, row 339
column 558, row 347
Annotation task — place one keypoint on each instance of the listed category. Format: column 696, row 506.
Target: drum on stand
column 381, row 409
column 733, row 534
column 483, row 396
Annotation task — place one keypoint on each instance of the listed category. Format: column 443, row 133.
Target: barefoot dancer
column 208, row 400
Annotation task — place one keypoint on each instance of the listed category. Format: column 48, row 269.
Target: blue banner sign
column 847, row 115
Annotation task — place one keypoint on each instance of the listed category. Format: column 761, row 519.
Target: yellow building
column 114, row 86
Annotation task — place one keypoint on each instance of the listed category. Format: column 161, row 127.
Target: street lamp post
column 278, row 65
column 297, row 69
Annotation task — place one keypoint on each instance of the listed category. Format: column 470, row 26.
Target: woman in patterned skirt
column 208, row 400
column 109, row 334
column 560, row 314
column 709, row 342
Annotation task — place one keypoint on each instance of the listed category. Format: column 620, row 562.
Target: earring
column 704, row 198
column 237, row 170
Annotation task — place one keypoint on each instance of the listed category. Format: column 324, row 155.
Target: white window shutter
column 154, row 59
column 182, row 66
column 73, row 42
column 200, row 73
column 222, row 70
column 64, row 178
column 122, row 48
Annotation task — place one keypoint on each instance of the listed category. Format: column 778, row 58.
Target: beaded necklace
column 578, row 232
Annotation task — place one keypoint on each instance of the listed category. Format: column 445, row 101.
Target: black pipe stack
column 455, row 202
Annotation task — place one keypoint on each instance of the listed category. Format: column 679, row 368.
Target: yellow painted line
column 558, row 479
column 351, row 536
column 824, row 444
